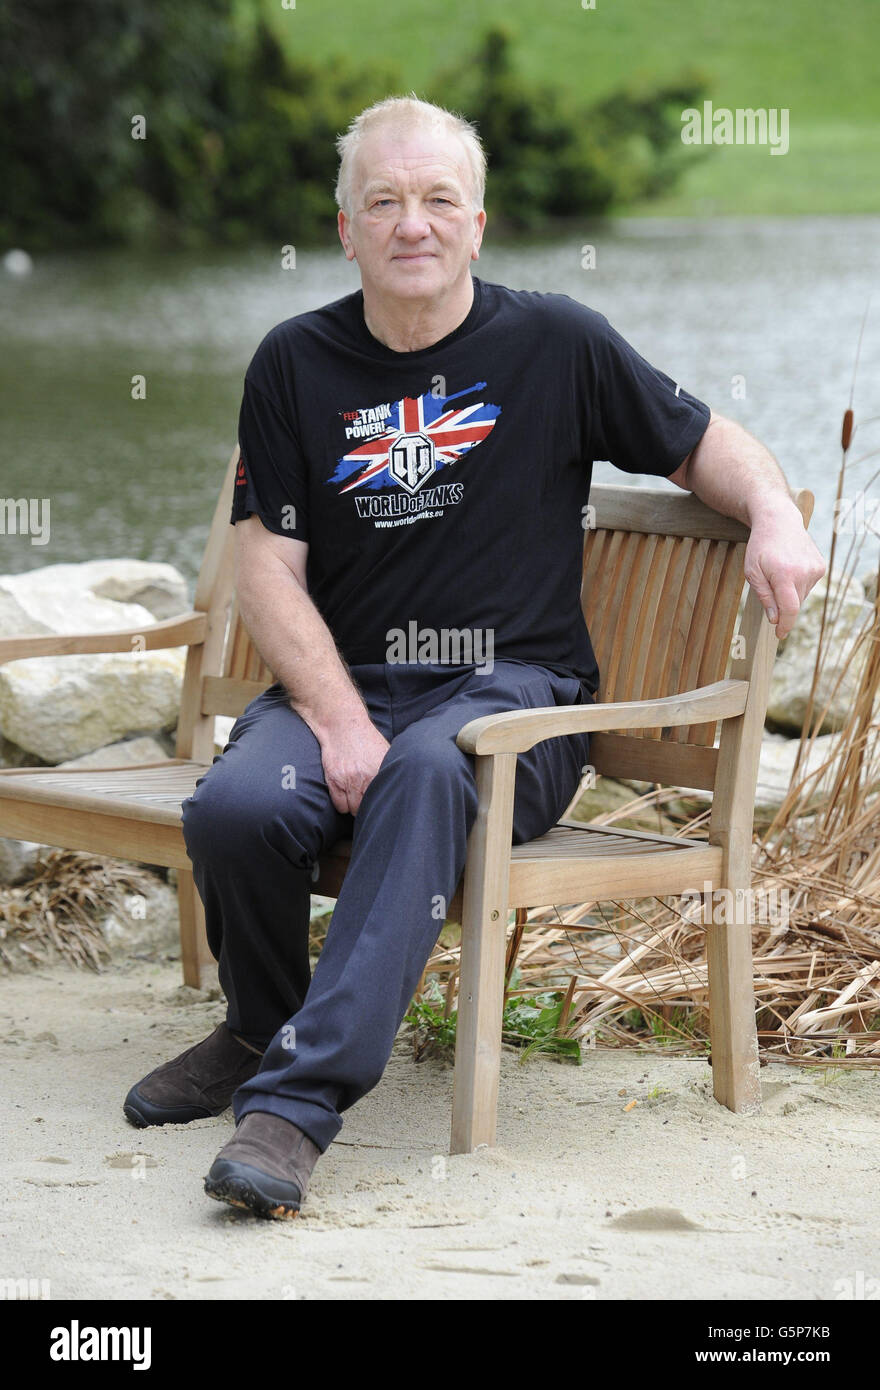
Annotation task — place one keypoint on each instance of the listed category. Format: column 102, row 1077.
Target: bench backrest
column 662, row 584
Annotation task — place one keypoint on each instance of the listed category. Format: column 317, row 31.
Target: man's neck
column 410, row 325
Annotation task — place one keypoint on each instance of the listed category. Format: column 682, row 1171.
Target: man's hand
column 351, row 755
column 296, row 644
column 782, row 564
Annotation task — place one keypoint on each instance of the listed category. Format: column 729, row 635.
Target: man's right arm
column 298, row 647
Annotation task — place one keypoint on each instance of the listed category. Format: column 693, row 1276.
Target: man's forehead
column 411, row 155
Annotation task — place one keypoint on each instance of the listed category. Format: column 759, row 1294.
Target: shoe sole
column 242, row 1189
column 142, row 1113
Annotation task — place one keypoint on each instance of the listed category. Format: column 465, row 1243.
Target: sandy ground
column 674, row 1198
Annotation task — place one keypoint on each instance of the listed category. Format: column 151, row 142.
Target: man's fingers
column 786, row 602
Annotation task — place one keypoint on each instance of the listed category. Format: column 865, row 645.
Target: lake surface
column 777, row 302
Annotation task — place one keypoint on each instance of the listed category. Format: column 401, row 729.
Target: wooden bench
column 662, row 581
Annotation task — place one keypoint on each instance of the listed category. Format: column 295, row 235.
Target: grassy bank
column 818, row 62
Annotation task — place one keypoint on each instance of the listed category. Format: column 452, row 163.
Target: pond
column 760, row 317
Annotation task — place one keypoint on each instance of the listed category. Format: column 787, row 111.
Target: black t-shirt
column 443, row 491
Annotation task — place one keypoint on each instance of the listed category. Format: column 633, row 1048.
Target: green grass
column 530, row 1022
column 819, row 60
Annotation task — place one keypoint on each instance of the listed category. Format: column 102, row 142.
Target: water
column 776, row 301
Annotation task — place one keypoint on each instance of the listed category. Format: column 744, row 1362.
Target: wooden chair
column 662, row 583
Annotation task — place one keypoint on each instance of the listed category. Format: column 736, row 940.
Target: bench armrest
column 184, row 630
column 515, row 731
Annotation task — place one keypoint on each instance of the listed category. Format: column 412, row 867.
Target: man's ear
column 342, row 224
column 479, row 224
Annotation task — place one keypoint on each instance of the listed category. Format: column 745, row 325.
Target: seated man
column 416, row 459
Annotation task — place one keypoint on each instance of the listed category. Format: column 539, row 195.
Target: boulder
column 793, row 672
column 126, row 752
column 222, row 725
column 77, row 596
column 50, row 600
column 160, row 588
column 19, row 860
column 775, row 767
column 61, row 707
column 13, row 756
column 147, row 925
column 610, row 795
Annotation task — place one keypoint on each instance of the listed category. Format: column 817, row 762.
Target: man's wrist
column 772, row 508
column 334, row 717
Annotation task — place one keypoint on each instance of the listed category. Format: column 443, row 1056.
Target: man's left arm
column 735, row 474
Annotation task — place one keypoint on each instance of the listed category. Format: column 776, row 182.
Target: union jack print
column 444, row 434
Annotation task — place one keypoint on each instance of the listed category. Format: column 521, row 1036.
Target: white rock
column 222, row 726
column 793, row 672
column 14, row 618
column 160, row 588
column 778, row 755
column 148, row 924
column 775, row 767
column 49, row 600
column 61, row 707
column 129, row 751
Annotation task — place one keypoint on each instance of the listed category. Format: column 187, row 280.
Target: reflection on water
column 770, row 306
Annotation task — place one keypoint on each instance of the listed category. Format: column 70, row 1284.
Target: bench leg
column 199, row 966
column 478, row 1034
column 736, row 1080
column 483, row 940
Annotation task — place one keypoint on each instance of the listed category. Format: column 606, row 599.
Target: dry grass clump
column 57, row 914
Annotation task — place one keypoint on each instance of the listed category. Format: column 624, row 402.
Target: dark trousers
column 260, row 817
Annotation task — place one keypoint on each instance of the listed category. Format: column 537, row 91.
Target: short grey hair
column 409, row 112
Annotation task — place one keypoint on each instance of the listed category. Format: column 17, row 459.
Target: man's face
column 413, row 229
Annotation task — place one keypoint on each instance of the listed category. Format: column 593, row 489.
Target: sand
column 582, row 1198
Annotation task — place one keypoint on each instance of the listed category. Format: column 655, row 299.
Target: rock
column 13, row 756
column 793, row 672
column 777, row 763
column 160, row 588
column 148, row 926
column 15, row 618
column 61, row 707
column 774, row 776
column 121, row 754
column 90, row 597
column 51, row 600
column 610, row 795
column 222, row 726
column 19, row 860
column 869, row 583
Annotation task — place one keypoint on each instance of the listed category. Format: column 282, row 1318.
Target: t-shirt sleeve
column 642, row 421
column 272, row 479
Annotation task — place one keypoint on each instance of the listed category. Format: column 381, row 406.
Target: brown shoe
column 196, row 1085
column 265, row 1167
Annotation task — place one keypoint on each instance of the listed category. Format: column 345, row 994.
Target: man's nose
column 413, row 225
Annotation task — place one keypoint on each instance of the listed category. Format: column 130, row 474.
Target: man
column 415, row 462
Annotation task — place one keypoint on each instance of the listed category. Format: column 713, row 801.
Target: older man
column 415, row 461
